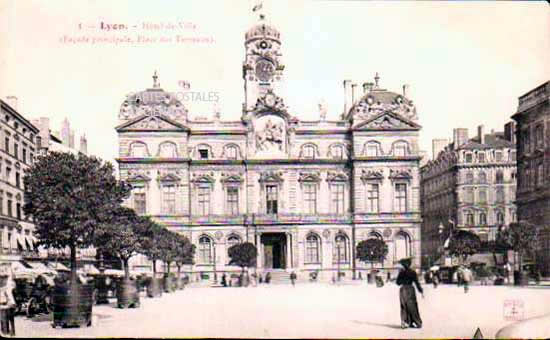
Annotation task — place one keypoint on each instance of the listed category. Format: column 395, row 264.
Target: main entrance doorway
column 274, row 245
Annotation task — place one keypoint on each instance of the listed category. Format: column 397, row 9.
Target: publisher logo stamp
column 513, row 310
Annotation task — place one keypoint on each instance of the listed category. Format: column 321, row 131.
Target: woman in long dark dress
column 410, row 317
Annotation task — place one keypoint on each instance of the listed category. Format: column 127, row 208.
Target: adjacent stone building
column 17, row 151
column 304, row 192
column 470, row 184
column 533, row 141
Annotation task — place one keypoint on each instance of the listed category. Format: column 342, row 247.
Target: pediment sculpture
column 271, row 136
column 401, row 173
column 368, row 108
column 372, row 174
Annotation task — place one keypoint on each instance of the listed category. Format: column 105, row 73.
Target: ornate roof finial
column 376, row 79
column 258, row 7
column 155, row 80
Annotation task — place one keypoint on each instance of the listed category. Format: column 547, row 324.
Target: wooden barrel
column 72, row 305
column 168, row 284
column 127, row 294
column 154, row 287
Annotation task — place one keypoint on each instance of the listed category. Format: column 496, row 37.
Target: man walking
column 466, row 278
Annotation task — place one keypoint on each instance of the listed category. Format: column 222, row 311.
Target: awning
column 115, row 272
column 58, row 266
column 21, row 271
column 28, row 243
column 42, row 268
column 20, row 243
column 89, row 269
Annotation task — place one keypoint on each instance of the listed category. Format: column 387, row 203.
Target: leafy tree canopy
column 243, row 255
column 464, row 243
column 372, row 250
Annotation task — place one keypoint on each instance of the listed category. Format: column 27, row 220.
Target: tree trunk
column 168, row 267
column 73, row 263
column 154, row 266
column 126, row 268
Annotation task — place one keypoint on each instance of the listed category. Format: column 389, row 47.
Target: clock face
column 264, row 70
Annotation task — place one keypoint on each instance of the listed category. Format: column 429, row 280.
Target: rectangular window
column 204, row 200
column 140, row 202
column 470, row 219
column 337, row 198
column 500, row 195
column 512, row 156
column 482, row 196
column 169, row 198
column 468, row 158
column 7, row 145
column 400, row 150
column 481, row 157
column 203, row 153
column 31, row 158
column 18, row 210
column 1, row 206
column 540, row 174
column 498, row 156
column 272, row 196
column 8, row 174
column 400, row 197
column 10, row 212
column 16, row 150
column 372, row 150
column 232, row 201
column 372, row 198
column 17, row 179
column 310, row 198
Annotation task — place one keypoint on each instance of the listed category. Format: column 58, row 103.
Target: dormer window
column 481, row 157
column 400, row 149
column 308, row 152
column 231, row 152
column 468, row 158
column 372, row 149
column 203, row 153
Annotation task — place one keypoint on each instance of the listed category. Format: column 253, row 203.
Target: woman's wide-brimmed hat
column 406, row 262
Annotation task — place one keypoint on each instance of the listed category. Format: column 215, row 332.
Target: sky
column 466, row 62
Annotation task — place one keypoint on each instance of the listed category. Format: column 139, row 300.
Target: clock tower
column 262, row 67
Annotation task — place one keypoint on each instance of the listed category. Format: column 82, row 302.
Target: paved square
column 307, row 310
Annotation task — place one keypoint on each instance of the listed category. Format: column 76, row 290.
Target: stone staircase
column 278, row 277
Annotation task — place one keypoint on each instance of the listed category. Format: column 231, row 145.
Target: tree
column 372, row 250
column 522, row 237
column 168, row 245
column 464, row 243
column 185, row 252
column 123, row 236
column 152, row 242
column 243, row 255
column 68, row 196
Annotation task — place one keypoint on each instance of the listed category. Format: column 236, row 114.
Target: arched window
column 312, row 249
column 337, row 151
column 469, row 218
column 374, row 234
column 138, row 149
column 167, row 150
column 233, row 240
column 231, row 152
column 483, row 219
column 308, row 151
column 403, row 245
column 499, row 177
column 482, row 177
column 372, row 149
column 340, row 253
column 500, row 218
column 205, row 250
column 400, row 148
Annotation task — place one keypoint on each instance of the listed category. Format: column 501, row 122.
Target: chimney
column 438, row 145
column 406, row 88
column 354, row 94
column 460, row 136
column 347, row 96
column 510, row 132
column 12, row 101
column 481, row 134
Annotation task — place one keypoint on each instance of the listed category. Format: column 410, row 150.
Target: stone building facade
column 17, row 151
column 304, row 192
column 533, row 141
column 470, row 184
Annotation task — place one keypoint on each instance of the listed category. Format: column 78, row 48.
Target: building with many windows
column 470, row 184
column 17, row 150
column 533, row 142
column 304, row 192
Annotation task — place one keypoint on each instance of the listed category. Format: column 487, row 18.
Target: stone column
column 260, row 248
column 288, row 263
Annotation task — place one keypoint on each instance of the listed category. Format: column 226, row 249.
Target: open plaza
column 307, row 310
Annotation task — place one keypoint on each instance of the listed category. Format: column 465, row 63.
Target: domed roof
column 262, row 30
column 152, row 101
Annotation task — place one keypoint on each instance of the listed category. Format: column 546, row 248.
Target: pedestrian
column 435, row 278
column 466, row 278
column 507, row 269
column 388, row 276
column 410, row 317
column 7, row 304
column 268, row 277
column 378, row 279
column 293, row 278
column 224, row 280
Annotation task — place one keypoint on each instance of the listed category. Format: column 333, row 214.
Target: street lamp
column 441, row 245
